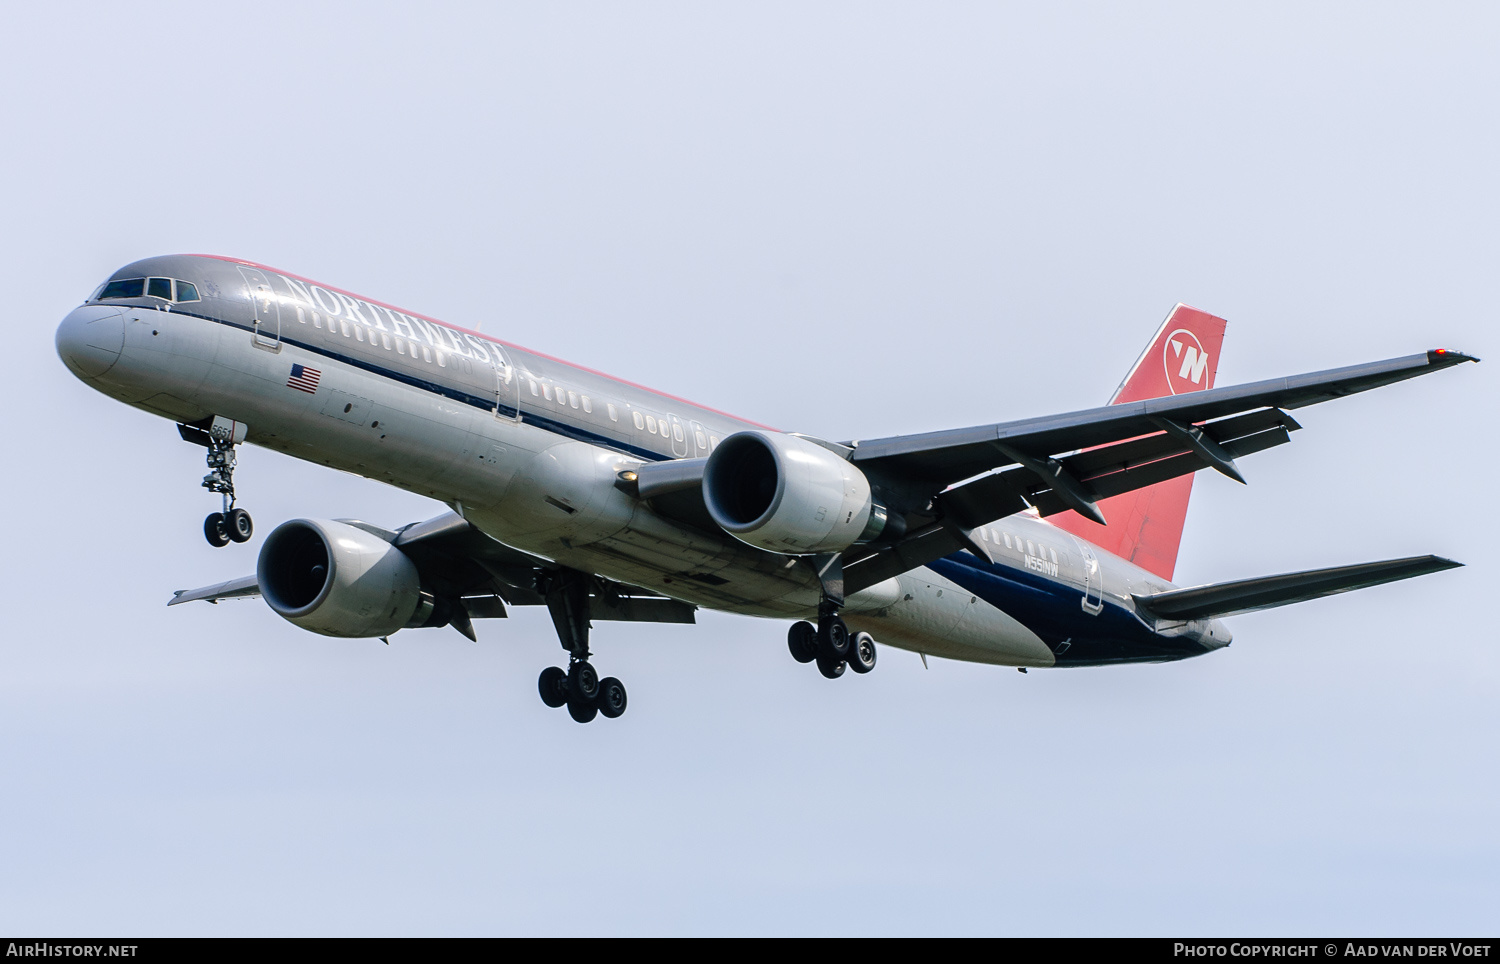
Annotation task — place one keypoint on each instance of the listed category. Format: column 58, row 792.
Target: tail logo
column 1185, row 361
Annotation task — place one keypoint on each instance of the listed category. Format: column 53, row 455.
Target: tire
column 553, row 685
column 833, row 638
column 831, row 668
column 611, row 701
column 215, row 530
column 802, row 640
column 583, row 712
column 862, row 653
column 239, row 525
column 583, row 681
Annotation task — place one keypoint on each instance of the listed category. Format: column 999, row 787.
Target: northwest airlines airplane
column 1040, row 542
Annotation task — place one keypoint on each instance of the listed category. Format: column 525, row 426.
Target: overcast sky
column 849, row 220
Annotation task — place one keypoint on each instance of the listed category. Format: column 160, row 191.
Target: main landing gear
column 233, row 524
column 829, row 643
column 578, row 687
column 831, row 646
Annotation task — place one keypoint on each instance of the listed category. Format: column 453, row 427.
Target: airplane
column 1041, row 542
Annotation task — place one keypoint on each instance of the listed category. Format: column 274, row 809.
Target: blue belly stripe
column 1053, row 610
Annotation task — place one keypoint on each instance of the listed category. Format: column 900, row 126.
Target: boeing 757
column 1032, row 543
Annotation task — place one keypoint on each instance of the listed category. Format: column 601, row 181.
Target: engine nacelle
column 786, row 494
column 338, row 580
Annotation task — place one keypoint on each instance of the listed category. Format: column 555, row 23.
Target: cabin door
column 507, row 386
column 265, row 331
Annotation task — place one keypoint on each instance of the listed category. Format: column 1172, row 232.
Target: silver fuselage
column 527, row 448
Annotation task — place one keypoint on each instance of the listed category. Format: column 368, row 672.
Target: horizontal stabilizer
column 1267, row 592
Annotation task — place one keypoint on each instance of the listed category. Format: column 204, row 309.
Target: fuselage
column 528, row 448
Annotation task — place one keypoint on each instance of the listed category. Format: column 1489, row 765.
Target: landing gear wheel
column 239, row 525
column 833, row 638
column 611, row 701
column 832, row 667
column 802, row 640
column 553, row 685
column 862, row 653
column 581, row 710
column 583, row 682
column 215, row 530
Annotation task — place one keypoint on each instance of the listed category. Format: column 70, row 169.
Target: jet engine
column 338, row 580
column 787, row 494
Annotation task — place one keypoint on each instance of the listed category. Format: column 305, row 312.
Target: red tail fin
column 1145, row 526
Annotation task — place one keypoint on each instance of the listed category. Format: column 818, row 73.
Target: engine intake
column 786, row 494
column 338, row 580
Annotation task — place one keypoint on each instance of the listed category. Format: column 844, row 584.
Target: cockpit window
column 159, row 288
column 186, row 292
column 129, row 288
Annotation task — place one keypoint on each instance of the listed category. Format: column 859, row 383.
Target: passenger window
column 702, row 440
column 1007, row 539
column 677, row 432
column 344, row 325
column 186, row 292
column 587, row 405
column 651, row 424
column 1053, row 554
column 129, row 288
column 547, row 391
column 984, row 534
column 160, row 288
column 1030, row 548
column 426, row 353
column 573, row 399
column 614, row 416
column 713, row 442
column 534, row 388
column 442, row 361
column 385, row 340
column 640, row 422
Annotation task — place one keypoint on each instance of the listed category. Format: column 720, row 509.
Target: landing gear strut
column 233, row 524
column 829, row 643
column 579, row 687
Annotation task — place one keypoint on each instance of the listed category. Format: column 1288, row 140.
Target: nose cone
column 90, row 338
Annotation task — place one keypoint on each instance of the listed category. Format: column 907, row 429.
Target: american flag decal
column 304, row 379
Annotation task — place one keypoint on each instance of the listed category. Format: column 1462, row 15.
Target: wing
column 459, row 563
column 244, row 587
column 947, row 483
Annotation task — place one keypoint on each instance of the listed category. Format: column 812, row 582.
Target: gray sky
column 850, row 220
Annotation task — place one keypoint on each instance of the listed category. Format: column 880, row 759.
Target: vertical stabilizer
column 1145, row 526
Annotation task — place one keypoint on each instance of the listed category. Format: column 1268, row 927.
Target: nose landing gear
column 233, row 524
column 220, row 435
